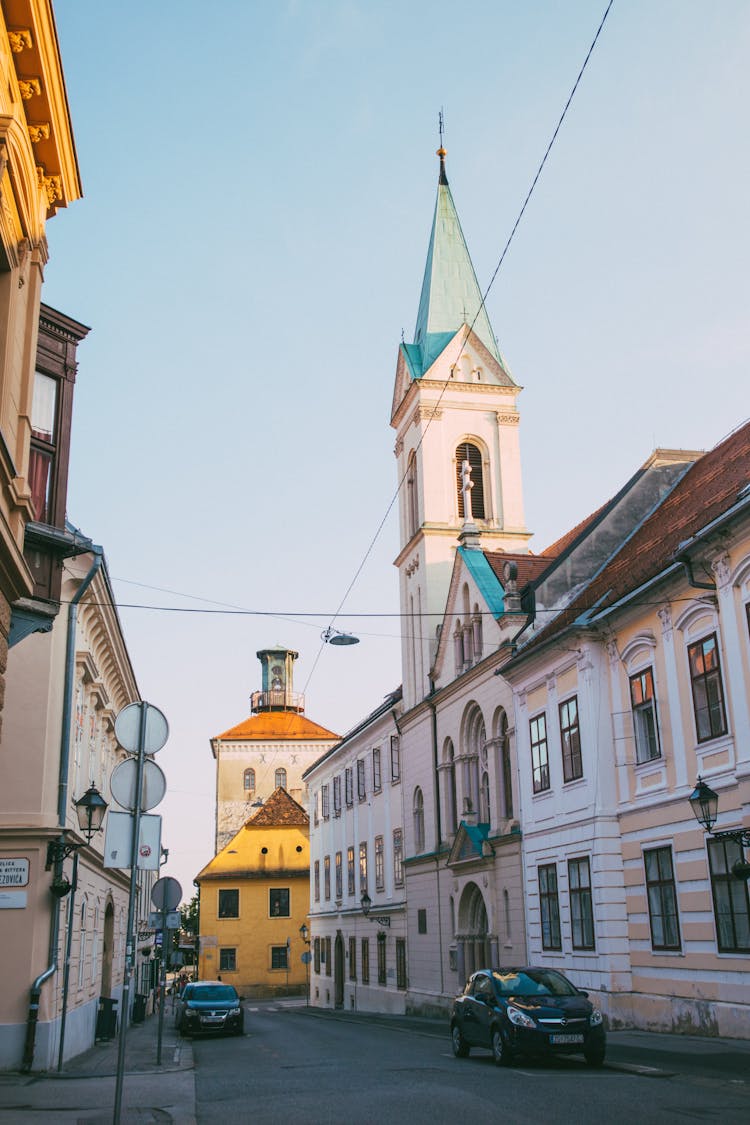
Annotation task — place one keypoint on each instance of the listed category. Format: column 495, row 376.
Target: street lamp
column 90, row 810
column 705, row 805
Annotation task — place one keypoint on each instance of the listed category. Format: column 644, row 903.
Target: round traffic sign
column 166, row 893
column 125, row 778
column 128, row 728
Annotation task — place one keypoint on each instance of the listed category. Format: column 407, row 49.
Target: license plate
column 212, row 1019
column 566, row 1039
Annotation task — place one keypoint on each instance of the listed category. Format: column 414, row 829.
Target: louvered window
column 468, row 452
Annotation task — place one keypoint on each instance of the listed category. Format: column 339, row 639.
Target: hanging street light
column 705, row 805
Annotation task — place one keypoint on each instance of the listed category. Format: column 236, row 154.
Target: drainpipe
column 686, row 562
column 62, row 801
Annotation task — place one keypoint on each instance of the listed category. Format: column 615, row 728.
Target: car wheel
column 500, row 1053
column 460, row 1046
column 594, row 1057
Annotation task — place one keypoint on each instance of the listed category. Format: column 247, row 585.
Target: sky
column 259, row 182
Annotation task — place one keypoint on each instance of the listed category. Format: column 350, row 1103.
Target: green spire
column 451, row 295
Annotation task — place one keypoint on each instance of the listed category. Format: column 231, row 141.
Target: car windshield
column 532, row 982
column 213, row 993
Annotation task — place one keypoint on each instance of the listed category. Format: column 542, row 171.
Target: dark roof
column 529, row 566
column 279, row 811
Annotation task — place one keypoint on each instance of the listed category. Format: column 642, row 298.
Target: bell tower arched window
column 412, row 497
column 248, row 780
column 279, row 778
column 467, row 451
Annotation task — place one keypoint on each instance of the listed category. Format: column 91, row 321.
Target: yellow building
column 254, row 898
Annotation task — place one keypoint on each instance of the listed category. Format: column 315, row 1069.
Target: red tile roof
column 279, row 811
column 272, row 725
column 529, row 566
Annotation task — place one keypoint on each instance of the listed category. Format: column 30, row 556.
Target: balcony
column 277, row 701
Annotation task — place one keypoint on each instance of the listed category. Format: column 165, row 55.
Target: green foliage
column 190, row 916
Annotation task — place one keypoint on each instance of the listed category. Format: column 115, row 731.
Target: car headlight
column 518, row 1018
column 234, row 1011
column 596, row 1018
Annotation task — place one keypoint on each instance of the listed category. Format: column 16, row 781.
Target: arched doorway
column 476, row 947
column 108, row 949
column 338, row 968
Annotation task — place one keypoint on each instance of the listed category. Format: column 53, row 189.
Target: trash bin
column 139, row 1007
column 106, row 1018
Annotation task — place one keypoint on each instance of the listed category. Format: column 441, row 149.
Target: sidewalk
column 85, row 1090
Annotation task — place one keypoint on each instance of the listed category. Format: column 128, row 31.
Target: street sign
column 306, row 957
column 118, row 841
column 172, row 920
column 128, row 728
column 124, row 781
column 166, row 893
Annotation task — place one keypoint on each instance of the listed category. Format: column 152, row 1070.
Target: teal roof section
column 451, row 295
column 487, row 581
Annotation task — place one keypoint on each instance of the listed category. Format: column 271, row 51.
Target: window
column 469, row 452
column 316, row 954
column 228, row 960
column 395, row 758
column 379, row 864
column 418, row 809
column 400, row 963
column 352, row 958
column 362, row 868
column 365, row 960
column 381, row 959
column 316, row 880
column 349, row 786
column 278, row 902
column 328, row 956
column 351, row 884
column 82, row 947
column 643, row 703
column 484, row 798
column 315, row 808
column 581, row 906
column 339, row 877
column 248, row 780
column 377, row 782
column 337, row 795
column 549, row 905
column 43, row 450
column 571, row 740
column 325, row 809
column 708, row 694
column 279, row 778
column 229, row 904
column 398, row 857
column 662, row 898
column 361, row 783
column 451, row 801
column 327, row 878
column 412, row 496
column 505, row 766
column 279, row 957
column 539, row 756
column 422, row 921
column 730, row 895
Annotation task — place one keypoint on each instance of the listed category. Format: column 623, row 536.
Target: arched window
column 467, row 451
column 248, row 780
column 412, row 496
column 474, row 741
column 418, row 820
column 484, row 799
column 505, row 767
column 82, row 945
column 449, row 781
column 279, row 778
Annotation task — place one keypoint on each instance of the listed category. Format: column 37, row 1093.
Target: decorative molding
column 398, row 448
column 508, row 419
column 29, row 88
column 412, row 567
column 40, row 132
column 19, row 39
column 721, row 567
column 665, row 616
column 52, row 185
column 425, row 414
column 613, row 652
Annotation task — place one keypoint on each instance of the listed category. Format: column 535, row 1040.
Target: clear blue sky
column 259, row 184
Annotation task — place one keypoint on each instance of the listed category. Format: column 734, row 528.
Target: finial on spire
column 443, row 179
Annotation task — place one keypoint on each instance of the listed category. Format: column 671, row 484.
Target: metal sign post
column 165, row 896
column 140, row 729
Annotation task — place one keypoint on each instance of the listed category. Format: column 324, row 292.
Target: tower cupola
column 278, row 693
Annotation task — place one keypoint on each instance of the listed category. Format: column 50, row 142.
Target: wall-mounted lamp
column 90, row 810
column 382, row 919
column 705, row 805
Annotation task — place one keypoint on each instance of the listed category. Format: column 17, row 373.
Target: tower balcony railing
column 277, row 701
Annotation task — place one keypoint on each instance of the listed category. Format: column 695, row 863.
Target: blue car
column 209, row 1007
column 529, row 1011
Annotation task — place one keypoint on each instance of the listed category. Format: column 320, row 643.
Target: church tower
column 456, row 422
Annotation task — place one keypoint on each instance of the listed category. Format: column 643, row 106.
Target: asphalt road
column 324, row 1067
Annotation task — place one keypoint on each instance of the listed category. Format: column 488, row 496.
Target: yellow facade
column 254, row 897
